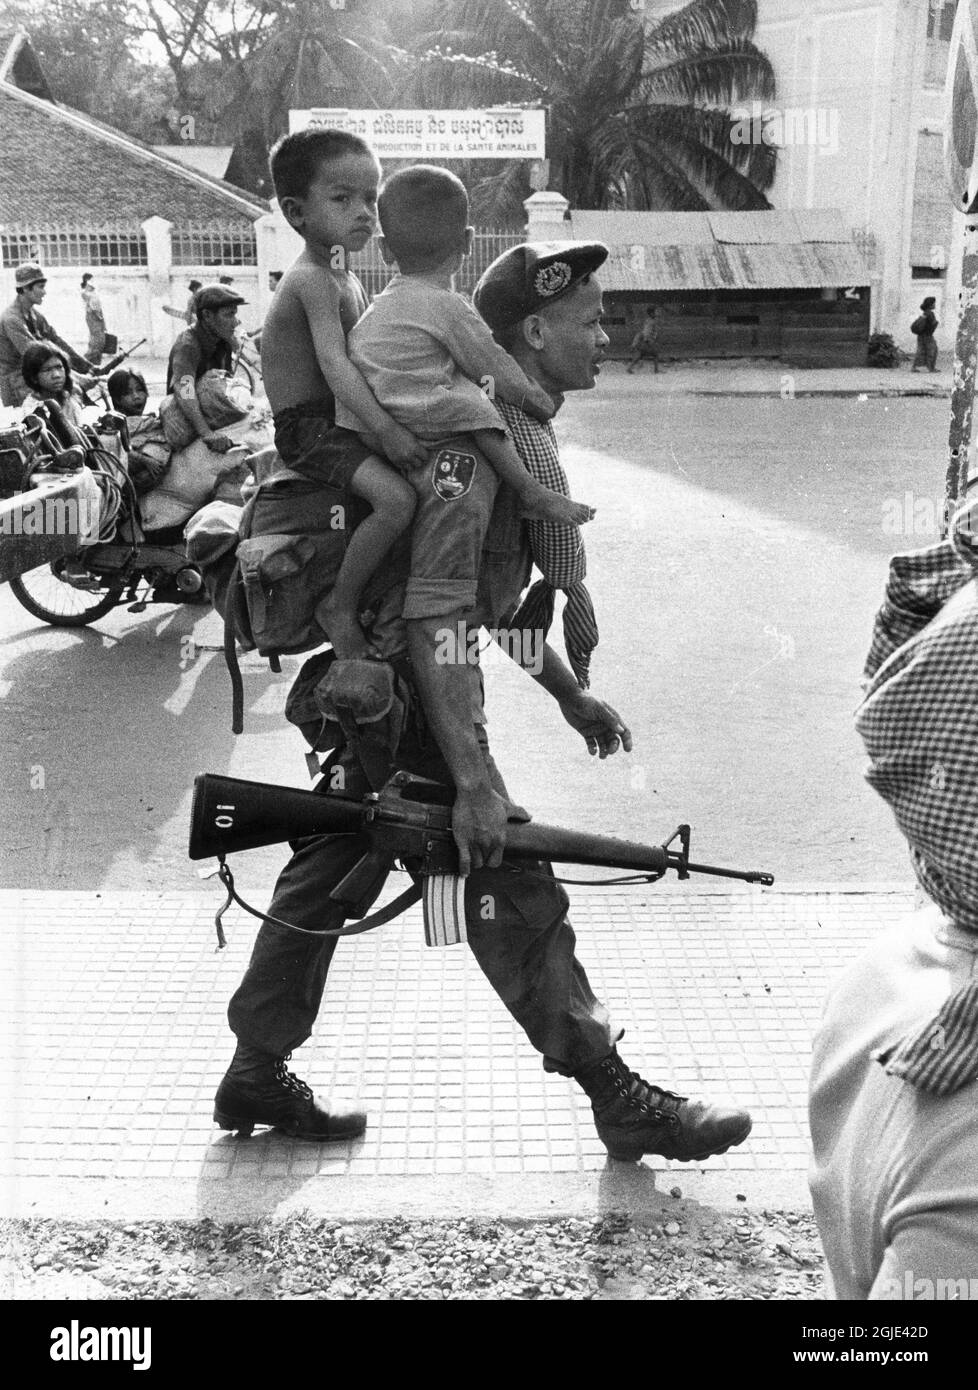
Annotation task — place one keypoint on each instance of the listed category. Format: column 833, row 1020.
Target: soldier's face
column 571, row 339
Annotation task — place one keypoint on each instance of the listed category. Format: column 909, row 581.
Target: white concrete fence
column 140, row 269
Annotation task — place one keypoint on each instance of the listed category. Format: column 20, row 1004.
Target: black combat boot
column 257, row 1090
column 634, row 1118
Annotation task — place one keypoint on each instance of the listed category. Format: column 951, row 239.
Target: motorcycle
column 124, row 564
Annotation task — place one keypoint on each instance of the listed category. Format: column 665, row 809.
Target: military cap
column 216, row 297
column 526, row 278
column 27, row 275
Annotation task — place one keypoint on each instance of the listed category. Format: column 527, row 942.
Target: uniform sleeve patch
column 452, row 473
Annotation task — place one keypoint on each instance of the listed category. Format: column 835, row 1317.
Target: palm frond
column 497, row 199
column 703, row 25
column 739, row 72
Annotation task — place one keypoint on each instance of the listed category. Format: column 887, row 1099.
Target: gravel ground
column 686, row 1252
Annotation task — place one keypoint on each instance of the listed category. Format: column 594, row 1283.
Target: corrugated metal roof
column 741, row 250
column 821, row 224
column 752, row 228
column 643, row 228
column 802, row 266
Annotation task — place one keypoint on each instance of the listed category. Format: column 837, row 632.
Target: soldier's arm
column 601, row 727
column 447, row 689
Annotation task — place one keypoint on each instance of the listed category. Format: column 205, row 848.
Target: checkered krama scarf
column 919, row 722
column 558, row 551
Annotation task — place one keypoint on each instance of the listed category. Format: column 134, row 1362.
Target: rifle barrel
column 748, row 875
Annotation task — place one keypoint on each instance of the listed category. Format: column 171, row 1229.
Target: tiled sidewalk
column 117, row 1038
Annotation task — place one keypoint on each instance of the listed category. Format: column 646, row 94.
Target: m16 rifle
column 409, row 821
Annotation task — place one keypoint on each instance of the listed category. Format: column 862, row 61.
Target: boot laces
column 662, row 1105
column 289, row 1081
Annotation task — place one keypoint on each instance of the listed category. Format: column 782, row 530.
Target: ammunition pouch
column 359, row 704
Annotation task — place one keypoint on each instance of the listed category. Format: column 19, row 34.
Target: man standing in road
column 646, row 342
column 22, row 324
column 470, row 559
column 206, row 345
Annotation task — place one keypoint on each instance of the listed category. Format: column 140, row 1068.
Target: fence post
column 276, row 246
column 159, row 264
column 545, row 217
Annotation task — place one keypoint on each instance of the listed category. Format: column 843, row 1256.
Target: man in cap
column 22, row 324
column 207, row 344
column 470, row 558
column 894, row 1084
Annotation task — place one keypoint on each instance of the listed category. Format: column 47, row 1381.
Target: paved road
column 736, row 562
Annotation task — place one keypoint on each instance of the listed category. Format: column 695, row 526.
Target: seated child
column 428, row 356
column 149, row 452
column 326, row 184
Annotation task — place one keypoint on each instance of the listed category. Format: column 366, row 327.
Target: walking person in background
column 646, row 342
column 94, row 319
column 924, row 328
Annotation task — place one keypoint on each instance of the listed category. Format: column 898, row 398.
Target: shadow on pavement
column 107, row 733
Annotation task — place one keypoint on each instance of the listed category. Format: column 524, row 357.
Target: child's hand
column 401, row 447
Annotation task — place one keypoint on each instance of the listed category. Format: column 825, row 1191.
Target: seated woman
column 47, row 373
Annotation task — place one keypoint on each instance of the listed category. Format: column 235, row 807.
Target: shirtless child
column 326, row 183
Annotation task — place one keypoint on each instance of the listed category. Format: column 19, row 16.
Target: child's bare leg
column 392, row 501
column 539, row 502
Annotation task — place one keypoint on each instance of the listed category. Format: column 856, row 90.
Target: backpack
column 266, row 567
column 919, row 326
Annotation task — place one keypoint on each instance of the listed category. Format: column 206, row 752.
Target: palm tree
column 299, row 53
column 639, row 113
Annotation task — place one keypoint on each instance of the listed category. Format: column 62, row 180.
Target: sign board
column 961, row 109
column 499, row 132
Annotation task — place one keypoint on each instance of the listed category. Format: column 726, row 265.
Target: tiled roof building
column 57, row 163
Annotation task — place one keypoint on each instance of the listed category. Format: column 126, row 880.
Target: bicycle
column 247, row 361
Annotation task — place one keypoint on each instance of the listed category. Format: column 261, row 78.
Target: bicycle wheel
column 242, row 370
column 46, row 595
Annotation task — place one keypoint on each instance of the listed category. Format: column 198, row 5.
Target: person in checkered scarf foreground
column 894, row 1084
column 470, row 560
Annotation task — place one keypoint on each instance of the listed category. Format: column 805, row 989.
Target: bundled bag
column 149, row 452
column 192, row 478
column 177, row 429
column 918, row 326
column 224, row 399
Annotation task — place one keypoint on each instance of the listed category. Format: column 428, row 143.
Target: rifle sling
column 375, row 919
